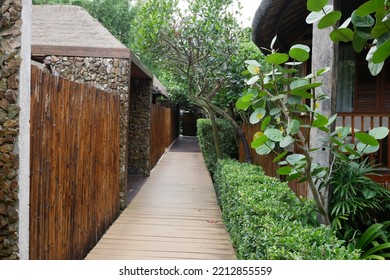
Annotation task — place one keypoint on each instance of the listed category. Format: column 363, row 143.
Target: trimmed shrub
column 206, row 141
column 267, row 221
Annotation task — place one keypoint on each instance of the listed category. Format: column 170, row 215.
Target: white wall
column 24, row 133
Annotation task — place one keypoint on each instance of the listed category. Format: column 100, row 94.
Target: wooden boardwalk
column 174, row 216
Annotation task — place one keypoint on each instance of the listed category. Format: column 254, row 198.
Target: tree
column 370, row 28
column 286, row 105
column 194, row 45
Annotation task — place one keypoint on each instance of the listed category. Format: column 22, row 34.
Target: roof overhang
column 282, row 18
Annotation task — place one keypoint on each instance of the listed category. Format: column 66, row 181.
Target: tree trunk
column 217, row 143
column 209, row 106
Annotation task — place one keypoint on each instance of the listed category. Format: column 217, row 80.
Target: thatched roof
column 70, row 27
column 284, row 18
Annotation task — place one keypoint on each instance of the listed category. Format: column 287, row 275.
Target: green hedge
column 206, row 141
column 266, row 220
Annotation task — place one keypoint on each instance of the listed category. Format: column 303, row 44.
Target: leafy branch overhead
column 368, row 27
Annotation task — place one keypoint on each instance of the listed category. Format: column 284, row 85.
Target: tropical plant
column 374, row 243
column 356, row 200
column 370, row 28
column 286, row 106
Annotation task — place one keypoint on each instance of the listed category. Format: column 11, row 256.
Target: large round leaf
column 379, row 132
column 285, row 170
column 329, row 20
column 240, row 104
column 294, row 158
column 341, row 35
column 364, row 21
column 258, row 142
column 286, row 141
column 293, row 127
column 274, row 134
column 257, row 115
column 367, row 149
column 313, row 17
column 382, row 52
column 266, row 148
column 316, row 5
column 299, row 52
column 366, row 139
column 277, row 58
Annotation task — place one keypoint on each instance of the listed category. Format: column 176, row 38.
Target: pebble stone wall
column 10, row 60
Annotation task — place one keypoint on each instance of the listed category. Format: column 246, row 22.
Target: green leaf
column 280, row 156
column 293, row 177
column 242, row 105
column 316, row 5
column 298, row 83
column 368, row 194
column 252, row 80
column 247, row 98
column 358, row 42
column 320, row 121
column 265, row 123
column 382, row 52
column 277, row 58
column 322, row 71
column 379, row 132
column 299, row 52
column 259, row 142
column 275, row 111
column 294, row 158
column 253, row 69
column 285, row 170
column 366, row 139
column 315, row 16
column 332, row 119
column 329, row 20
column 362, row 21
column 364, row 32
column 341, row 35
column 253, row 62
column 370, row 7
column 274, row 134
column 293, row 127
column 257, row 115
column 375, row 68
column 301, row 93
column 266, row 148
column 366, row 149
column 286, row 141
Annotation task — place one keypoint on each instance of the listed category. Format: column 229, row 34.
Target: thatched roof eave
column 282, row 18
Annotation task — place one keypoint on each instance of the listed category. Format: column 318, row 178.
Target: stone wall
column 10, row 60
column 139, row 126
column 109, row 74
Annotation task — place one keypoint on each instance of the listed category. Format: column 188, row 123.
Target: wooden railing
column 365, row 122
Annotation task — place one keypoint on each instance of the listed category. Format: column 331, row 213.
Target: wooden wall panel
column 74, row 183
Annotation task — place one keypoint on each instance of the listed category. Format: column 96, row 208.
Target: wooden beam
column 44, row 50
column 138, row 69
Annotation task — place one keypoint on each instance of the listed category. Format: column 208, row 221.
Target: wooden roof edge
column 44, row 50
column 161, row 88
column 137, row 62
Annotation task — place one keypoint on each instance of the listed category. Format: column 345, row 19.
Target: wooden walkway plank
column 174, row 216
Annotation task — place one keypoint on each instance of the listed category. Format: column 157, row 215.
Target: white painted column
column 24, row 133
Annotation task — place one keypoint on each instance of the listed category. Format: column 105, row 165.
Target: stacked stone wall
column 10, row 61
column 139, row 126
